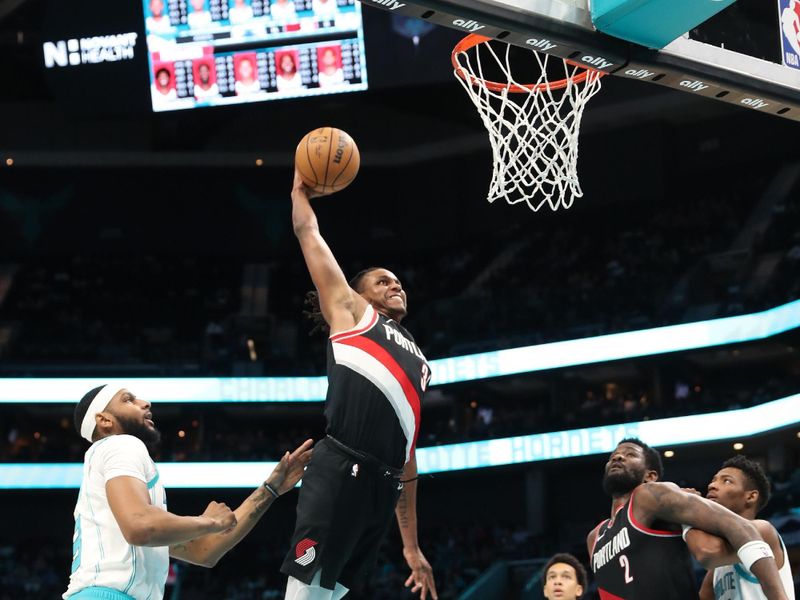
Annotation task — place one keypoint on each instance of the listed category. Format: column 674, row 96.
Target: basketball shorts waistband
column 96, row 592
column 367, row 460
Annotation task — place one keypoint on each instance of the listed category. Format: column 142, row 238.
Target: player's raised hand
column 290, row 469
column 222, row 517
column 300, row 188
column 421, row 577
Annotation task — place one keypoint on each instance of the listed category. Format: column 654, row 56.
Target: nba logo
column 789, row 14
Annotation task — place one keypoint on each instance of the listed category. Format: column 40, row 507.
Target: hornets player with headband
column 124, row 535
column 365, row 469
column 638, row 554
column 742, row 487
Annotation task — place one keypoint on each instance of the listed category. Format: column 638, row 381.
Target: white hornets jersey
column 100, row 554
column 734, row 582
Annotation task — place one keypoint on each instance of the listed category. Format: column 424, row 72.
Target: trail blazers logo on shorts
column 305, row 552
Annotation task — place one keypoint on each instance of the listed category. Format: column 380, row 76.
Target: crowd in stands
column 34, row 569
column 459, row 552
column 119, row 311
column 39, row 569
column 567, row 279
column 782, row 238
column 572, row 277
column 577, row 284
column 490, row 417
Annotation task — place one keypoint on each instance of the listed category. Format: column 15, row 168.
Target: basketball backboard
column 740, row 56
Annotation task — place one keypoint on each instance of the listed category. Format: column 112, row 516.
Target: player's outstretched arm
column 421, row 577
column 666, row 502
column 206, row 551
column 712, row 551
column 341, row 306
column 143, row 524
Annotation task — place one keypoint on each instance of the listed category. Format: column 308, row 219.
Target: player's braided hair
column 756, row 478
column 314, row 312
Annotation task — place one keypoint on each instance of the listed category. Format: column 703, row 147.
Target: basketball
column 327, row 160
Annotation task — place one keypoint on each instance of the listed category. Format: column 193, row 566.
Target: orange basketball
column 327, row 160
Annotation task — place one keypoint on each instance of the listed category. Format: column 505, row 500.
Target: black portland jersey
column 376, row 378
column 633, row 562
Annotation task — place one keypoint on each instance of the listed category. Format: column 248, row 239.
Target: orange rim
column 473, row 39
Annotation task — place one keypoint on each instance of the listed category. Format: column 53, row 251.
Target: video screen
column 221, row 52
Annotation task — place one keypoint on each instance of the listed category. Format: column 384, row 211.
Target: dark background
column 140, row 244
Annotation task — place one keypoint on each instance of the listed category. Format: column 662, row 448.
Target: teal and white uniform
column 734, row 582
column 102, row 561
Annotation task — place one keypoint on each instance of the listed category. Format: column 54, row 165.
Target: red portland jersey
column 376, row 378
column 634, row 562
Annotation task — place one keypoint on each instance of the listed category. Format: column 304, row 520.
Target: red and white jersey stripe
column 635, row 561
column 377, row 376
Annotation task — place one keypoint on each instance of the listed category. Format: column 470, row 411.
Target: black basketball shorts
column 344, row 511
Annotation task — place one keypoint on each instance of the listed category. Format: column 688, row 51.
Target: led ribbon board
column 528, row 359
column 458, row 457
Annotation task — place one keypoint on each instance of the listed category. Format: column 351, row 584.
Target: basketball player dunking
column 638, row 553
column 365, row 469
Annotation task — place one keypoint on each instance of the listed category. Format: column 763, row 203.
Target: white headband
column 97, row 405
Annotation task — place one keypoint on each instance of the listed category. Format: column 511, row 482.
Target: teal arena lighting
column 711, row 427
column 471, row 367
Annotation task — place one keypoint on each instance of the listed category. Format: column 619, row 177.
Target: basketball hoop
column 533, row 128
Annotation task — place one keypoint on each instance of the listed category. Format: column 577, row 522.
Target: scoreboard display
column 221, row 52
column 119, row 58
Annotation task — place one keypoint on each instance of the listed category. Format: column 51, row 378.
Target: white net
column 533, row 128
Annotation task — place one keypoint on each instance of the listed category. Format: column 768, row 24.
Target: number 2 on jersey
column 625, row 564
column 426, row 373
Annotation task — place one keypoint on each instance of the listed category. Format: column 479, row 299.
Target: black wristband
column 271, row 490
